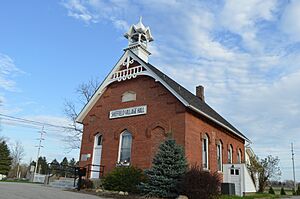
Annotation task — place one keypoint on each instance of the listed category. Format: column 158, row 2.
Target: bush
column 282, row 192
column 271, row 190
column 200, row 184
column 294, row 192
column 124, row 179
column 86, row 184
column 298, row 190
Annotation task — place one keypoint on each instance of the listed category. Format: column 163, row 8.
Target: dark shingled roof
column 193, row 100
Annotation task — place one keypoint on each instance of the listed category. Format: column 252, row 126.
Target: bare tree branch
column 17, row 154
column 85, row 92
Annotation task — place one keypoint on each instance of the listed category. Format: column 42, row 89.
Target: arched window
column 125, row 147
column 230, row 150
column 205, row 152
column 128, row 96
column 99, row 140
column 219, row 156
column 239, row 156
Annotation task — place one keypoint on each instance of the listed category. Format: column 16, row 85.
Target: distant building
column 137, row 107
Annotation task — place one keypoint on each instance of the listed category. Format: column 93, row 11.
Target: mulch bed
column 107, row 194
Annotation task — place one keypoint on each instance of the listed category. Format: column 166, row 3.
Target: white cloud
column 95, row 11
column 242, row 17
column 289, row 22
column 250, row 82
column 7, row 71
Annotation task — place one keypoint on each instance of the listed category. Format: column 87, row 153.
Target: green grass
column 288, row 191
column 263, row 195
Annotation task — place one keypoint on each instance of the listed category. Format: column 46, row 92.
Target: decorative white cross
column 128, row 61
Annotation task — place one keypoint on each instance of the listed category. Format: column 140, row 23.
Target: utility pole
column 42, row 132
column 293, row 160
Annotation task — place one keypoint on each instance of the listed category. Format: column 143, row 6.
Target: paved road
column 35, row 191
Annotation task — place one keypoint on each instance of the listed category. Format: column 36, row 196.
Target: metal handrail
column 89, row 170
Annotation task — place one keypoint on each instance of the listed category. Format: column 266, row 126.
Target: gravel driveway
column 10, row 190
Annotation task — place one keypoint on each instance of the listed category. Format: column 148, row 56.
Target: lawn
column 252, row 196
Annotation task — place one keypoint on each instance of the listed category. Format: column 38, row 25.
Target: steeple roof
column 139, row 28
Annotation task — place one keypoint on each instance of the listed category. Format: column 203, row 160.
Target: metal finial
column 141, row 18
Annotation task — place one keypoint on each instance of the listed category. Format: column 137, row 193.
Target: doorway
column 97, row 153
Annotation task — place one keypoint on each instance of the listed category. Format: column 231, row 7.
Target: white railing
column 127, row 73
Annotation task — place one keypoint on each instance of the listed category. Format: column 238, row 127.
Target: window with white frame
column 205, row 152
column 128, row 96
column 239, row 156
column 230, row 154
column 125, row 147
column 219, row 156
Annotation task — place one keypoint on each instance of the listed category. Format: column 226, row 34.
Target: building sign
column 127, row 112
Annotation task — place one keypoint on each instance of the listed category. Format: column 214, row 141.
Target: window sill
column 123, row 164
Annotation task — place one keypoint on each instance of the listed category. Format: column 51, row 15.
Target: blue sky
column 246, row 54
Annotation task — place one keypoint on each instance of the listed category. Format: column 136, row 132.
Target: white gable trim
column 150, row 73
column 100, row 90
column 108, row 81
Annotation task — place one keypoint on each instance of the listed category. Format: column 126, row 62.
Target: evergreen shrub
column 124, row 179
column 271, row 190
column 168, row 168
column 282, row 191
column 200, row 184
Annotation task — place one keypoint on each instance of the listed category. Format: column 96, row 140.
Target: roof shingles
column 193, row 100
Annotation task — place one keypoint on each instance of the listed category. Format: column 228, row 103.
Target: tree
column 17, row 154
column 254, row 168
column 85, row 91
column 72, row 163
column 54, row 167
column 71, row 168
column 168, row 167
column 5, row 159
column 64, row 167
column 271, row 190
column 42, row 165
column 282, row 191
column 265, row 169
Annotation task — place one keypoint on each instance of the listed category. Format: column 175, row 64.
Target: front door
column 95, row 168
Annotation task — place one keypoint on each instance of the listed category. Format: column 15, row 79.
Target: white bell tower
column 138, row 38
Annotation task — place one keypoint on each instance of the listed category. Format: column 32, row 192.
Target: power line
column 32, row 122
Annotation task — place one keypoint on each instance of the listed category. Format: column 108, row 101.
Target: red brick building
column 137, row 106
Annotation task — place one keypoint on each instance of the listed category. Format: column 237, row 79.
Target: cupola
column 138, row 38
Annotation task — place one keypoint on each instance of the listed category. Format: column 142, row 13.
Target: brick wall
column 195, row 130
column 165, row 114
